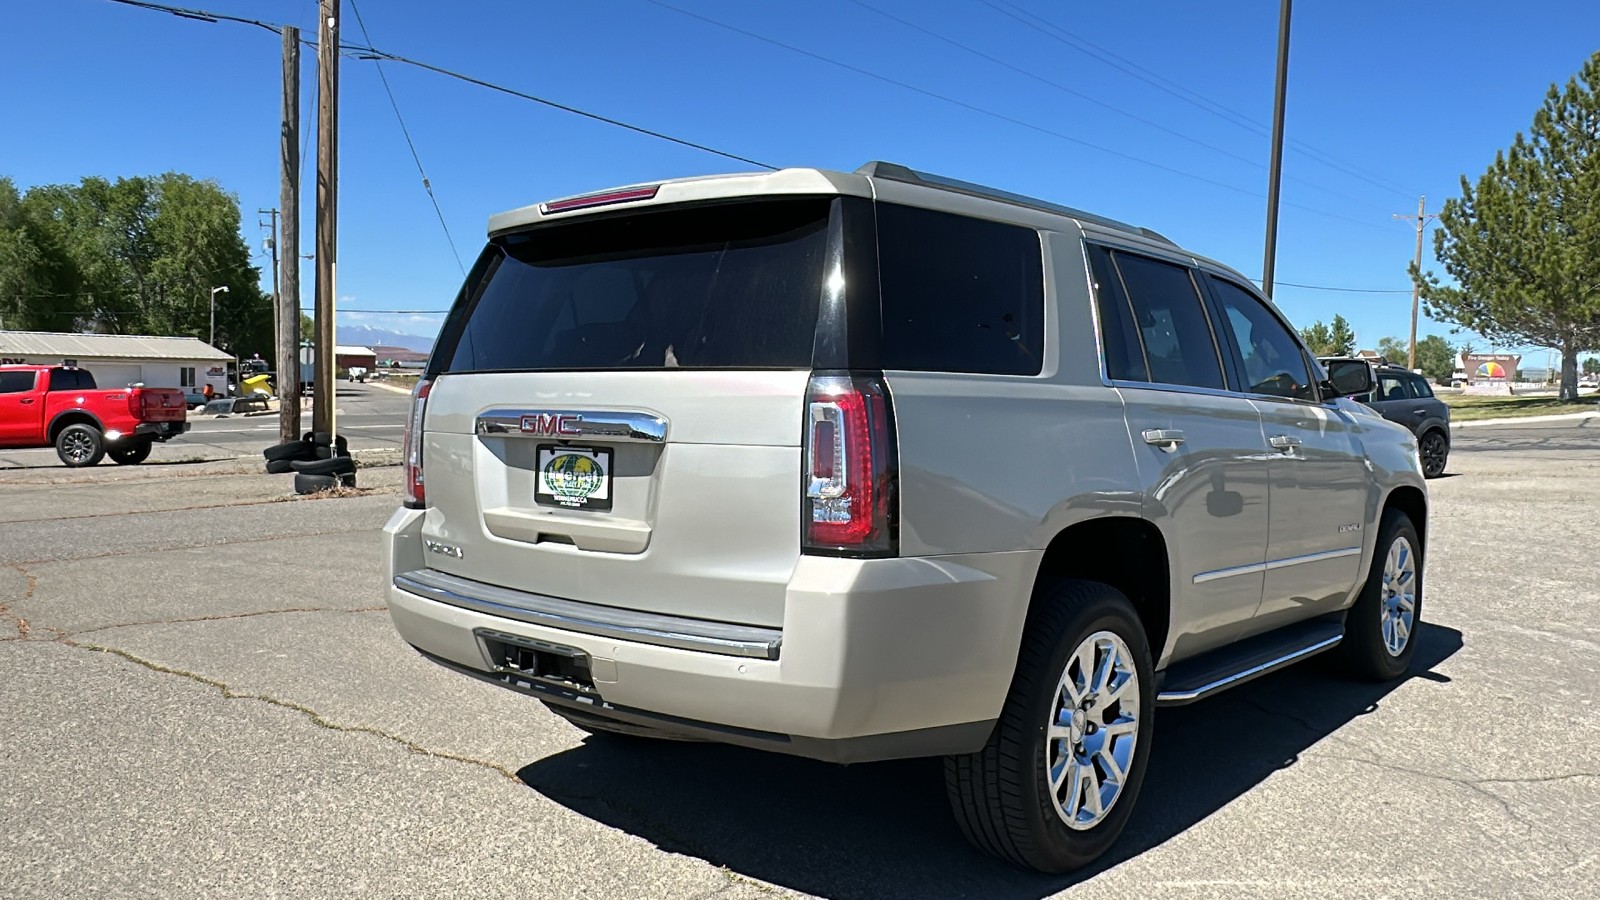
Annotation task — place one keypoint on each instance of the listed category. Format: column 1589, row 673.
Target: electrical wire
column 1089, row 98
column 426, row 185
column 1032, row 126
column 371, row 53
column 1199, row 101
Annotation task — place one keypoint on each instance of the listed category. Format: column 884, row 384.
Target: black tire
column 1001, row 795
column 322, row 439
column 1365, row 651
column 289, row 450
column 1434, row 448
column 313, row 484
column 280, row 466
column 338, row 465
column 79, row 446
column 131, row 454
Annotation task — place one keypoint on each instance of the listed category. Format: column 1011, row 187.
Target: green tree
column 1591, row 366
column 1436, row 357
column 1394, row 350
column 137, row 255
column 1329, row 340
column 1521, row 245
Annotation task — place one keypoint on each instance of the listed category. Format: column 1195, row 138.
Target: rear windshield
column 732, row 285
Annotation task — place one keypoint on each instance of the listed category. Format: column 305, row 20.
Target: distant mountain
column 371, row 336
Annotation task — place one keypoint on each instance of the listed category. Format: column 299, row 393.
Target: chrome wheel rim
column 78, row 447
column 1399, row 596
column 1093, row 730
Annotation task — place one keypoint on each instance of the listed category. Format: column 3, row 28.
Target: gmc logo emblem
column 551, row 424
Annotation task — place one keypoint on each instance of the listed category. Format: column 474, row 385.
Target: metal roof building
column 122, row 359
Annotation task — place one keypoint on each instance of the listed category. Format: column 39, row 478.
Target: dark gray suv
column 1405, row 398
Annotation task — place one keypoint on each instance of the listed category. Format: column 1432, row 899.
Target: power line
column 372, row 53
column 1089, row 98
column 944, row 98
column 426, row 185
column 1205, row 104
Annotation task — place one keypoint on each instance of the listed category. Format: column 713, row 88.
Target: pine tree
column 1523, row 245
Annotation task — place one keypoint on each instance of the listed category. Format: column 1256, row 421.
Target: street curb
column 1518, row 420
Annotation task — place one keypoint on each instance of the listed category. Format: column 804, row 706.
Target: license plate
column 574, row 477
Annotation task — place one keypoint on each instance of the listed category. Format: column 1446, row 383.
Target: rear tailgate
column 617, row 409
column 161, row 405
column 705, row 523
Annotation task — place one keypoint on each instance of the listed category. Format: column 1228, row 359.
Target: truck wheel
column 131, row 454
column 1055, row 784
column 80, row 445
column 1380, row 631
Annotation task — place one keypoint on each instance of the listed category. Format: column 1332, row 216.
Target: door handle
column 1165, row 438
column 1284, row 442
column 26, row 400
column 1419, row 412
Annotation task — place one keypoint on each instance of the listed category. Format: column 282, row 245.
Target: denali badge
column 1353, row 526
column 443, row 549
column 551, row 424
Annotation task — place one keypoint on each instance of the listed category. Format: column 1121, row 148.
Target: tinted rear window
column 727, row 286
column 959, row 294
column 71, row 380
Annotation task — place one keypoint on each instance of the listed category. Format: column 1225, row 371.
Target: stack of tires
column 318, row 460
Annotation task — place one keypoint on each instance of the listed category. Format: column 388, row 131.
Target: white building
column 118, row 360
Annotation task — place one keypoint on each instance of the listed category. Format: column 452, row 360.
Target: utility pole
column 1275, row 174
column 322, row 413
column 287, row 331
column 1416, row 289
column 272, row 245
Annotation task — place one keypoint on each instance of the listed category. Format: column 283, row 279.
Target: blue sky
column 1402, row 98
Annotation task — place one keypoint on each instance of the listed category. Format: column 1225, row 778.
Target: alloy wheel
column 78, row 447
column 1434, row 453
column 1399, row 599
column 1093, row 730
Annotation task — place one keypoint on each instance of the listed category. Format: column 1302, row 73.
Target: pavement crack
column 228, row 616
column 311, row 715
column 1476, row 785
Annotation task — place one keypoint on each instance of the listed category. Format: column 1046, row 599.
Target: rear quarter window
column 959, row 294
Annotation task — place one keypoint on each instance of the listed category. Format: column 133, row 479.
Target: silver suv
column 878, row 465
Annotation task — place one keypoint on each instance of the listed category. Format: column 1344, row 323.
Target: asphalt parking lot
column 202, row 696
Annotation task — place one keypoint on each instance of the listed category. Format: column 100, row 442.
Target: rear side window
column 71, row 380
column 726, row 286
column 959, row 294
column 1170, row 322
column 16, row 382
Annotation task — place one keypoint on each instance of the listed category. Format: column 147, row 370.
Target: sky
column 1155, row 113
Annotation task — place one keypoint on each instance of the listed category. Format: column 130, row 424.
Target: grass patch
column 1468, row 408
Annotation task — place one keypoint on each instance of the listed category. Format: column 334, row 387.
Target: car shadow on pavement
column 883, row 830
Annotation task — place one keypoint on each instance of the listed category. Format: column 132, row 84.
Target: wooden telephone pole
column 1422, row 218
column 287, row 337
column 1275, row 173
column 322, row 412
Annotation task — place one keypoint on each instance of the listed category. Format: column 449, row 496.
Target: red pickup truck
column 59, row 406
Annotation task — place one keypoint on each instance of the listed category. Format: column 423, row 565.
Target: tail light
column 850, row 467
column 416, row 495
column 136, row 403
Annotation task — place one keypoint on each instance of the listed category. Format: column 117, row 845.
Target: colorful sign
column 1484, row 368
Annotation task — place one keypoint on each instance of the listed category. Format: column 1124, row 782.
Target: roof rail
column 897, row 172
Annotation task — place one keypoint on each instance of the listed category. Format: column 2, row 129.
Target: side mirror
column 1348, row 377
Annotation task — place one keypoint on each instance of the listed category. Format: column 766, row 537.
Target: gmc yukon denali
column 878, row 465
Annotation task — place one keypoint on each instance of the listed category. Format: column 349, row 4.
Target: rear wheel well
column 1414, row 504
column 1126, row 553
column 72, row 418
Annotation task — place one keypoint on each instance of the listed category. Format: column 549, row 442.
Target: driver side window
column 1271, row 358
